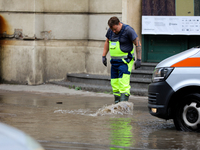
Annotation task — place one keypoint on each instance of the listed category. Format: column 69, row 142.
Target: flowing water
column 121, row 108
column 87, row 122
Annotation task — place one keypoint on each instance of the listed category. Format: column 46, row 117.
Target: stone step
column 103, row 80
column 88, row 78
column 99, row 79
column 139, row 81
column 97, row 88
column 142, row 74
column 147, row 66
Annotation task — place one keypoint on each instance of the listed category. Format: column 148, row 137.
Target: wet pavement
column 63, row 121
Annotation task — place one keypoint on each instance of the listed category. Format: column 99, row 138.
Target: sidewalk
column 54, row 89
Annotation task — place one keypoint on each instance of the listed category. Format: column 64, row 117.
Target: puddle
column 78, row 122
column 79, row 111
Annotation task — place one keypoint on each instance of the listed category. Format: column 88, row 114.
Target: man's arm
column 138, row 52
column 137, row 43
column 105, row 51
column 106, row 47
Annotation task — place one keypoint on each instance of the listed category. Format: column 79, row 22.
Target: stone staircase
column 140, row 79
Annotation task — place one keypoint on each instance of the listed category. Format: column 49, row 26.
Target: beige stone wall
column 105, row 6
column 58, row 37
column 62, row 6
column 17, row 5
column 100, row 11
column 17, row 61
column 58, row 6
column 61, row 57
column 132, row 14
column 62, row 26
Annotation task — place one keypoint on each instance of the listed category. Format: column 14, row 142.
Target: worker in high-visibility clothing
column 119, row 42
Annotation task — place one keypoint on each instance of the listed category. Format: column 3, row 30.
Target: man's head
column 114, row 24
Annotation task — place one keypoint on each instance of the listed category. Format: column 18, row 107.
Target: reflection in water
column 177, row 140
column 79, row 111
column 1, row 99
column 70, row 125
column 121, row 134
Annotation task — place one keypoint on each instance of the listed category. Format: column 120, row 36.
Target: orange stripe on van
column 189, row 62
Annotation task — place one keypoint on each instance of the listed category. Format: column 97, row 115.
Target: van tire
column 187, row 114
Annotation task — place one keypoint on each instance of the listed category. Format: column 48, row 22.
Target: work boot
column 117, row 99
column 124, row 97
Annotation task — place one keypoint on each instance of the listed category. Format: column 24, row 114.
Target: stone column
column 132, row 15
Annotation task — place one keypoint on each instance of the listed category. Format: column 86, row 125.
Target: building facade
column 43, row 40
column 171, row 26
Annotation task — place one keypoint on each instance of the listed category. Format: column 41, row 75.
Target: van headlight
column 161, row 74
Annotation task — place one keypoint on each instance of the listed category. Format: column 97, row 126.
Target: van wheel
column 187, row 115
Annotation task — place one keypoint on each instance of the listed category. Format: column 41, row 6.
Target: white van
column 175, row 90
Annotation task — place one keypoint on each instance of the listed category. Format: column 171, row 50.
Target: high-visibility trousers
column 120, row 77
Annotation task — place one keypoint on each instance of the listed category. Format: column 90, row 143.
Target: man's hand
column 137, row 63
column 104, row 60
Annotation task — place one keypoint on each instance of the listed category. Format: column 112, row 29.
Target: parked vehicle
column 175, row 90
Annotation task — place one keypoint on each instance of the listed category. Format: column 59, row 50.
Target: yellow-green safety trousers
column 121, row 66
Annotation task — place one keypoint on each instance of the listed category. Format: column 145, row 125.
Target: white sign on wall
column 171, row 25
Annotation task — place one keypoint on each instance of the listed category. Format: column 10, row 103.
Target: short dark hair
column 113, row 21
